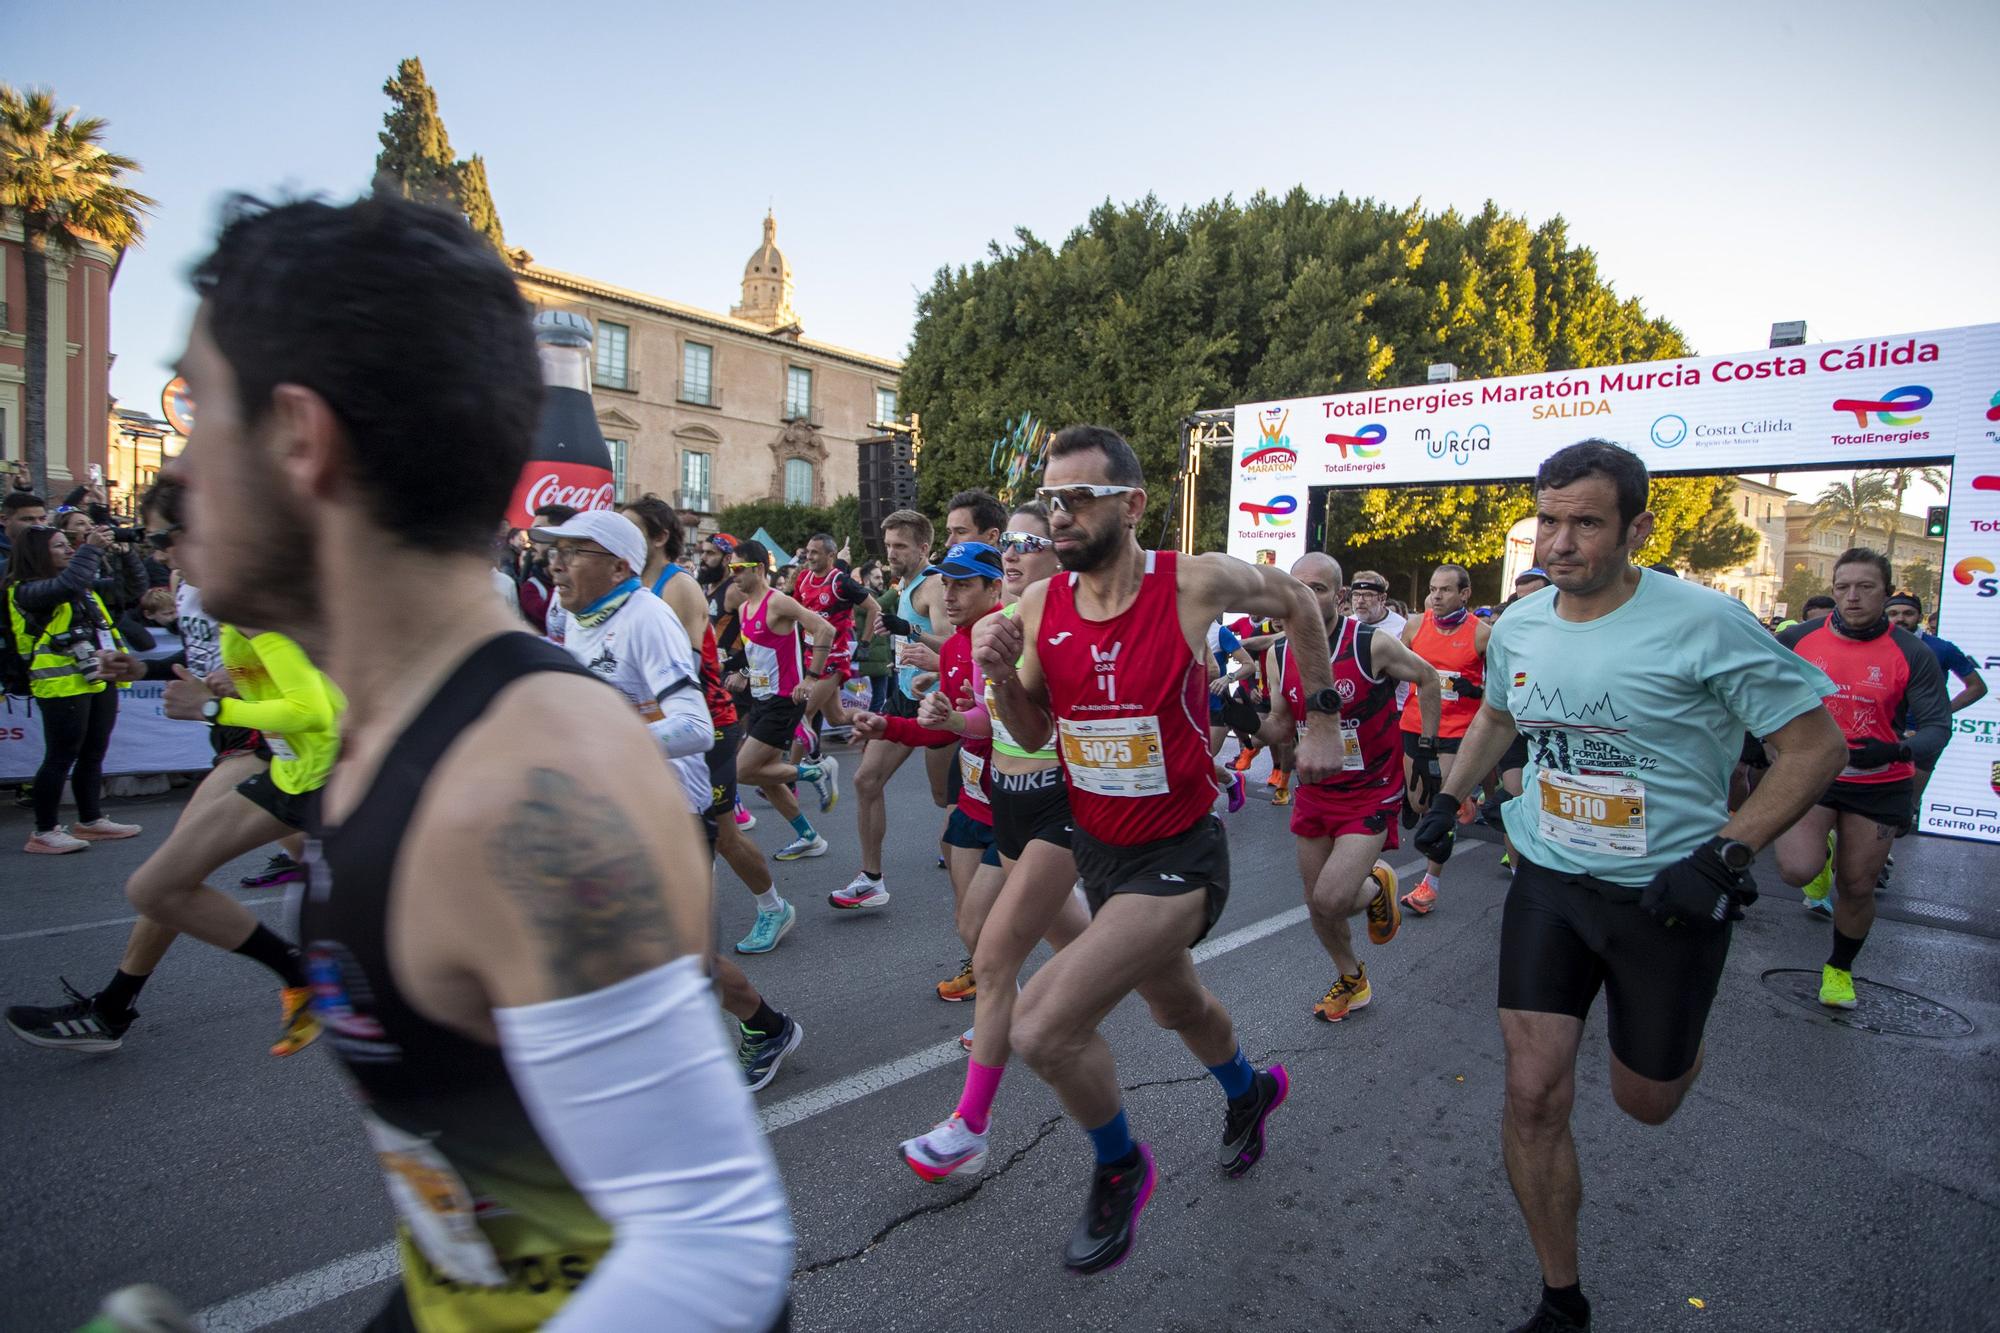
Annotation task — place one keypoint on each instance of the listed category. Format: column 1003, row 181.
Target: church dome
column 767, row 284
column 768, row 261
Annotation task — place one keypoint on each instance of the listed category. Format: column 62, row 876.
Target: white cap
column 609, row 529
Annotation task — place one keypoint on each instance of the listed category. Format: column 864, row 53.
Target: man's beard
column 272, row 581
column 1093, row 552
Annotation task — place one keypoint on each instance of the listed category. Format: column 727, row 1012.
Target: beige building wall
column 1755, row 583
column 744, row 429
column 1818, row 550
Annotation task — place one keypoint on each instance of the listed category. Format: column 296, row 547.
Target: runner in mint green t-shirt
column 1633, row 691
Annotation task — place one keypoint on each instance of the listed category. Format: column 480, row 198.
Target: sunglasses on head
column 1026, row 543
column 1069, row 499
column 744, row 564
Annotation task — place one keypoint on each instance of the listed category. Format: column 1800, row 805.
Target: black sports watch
column 1323, row 701
column 1736, row 855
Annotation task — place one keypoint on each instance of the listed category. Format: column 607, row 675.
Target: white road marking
column 293, row 1296
column 48, row 931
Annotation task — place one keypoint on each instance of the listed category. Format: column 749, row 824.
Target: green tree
column 1920, row 578
column 1800, row 583
column 1718, row 539
column 1900, row 480
column 1862, row 501
column 416, row 160
column 61, row 186
column 1143, row 315
column 793, row 524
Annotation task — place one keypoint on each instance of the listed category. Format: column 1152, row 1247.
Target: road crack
column 1047, row 1128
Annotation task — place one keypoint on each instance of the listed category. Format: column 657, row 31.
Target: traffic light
column 1935, row 520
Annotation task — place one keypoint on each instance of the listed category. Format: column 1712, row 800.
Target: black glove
column 1425, row 769
column 1872, row 753
column 1438, row 829
column 895, row 624
column 1699, row 890
column 1467, row 690
column 1409, row 812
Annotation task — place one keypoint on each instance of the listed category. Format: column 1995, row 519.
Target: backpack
column 14, row 677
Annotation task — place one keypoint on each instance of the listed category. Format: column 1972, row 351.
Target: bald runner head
column 1321, row 572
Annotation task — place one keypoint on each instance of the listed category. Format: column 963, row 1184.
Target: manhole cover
column 1878, row 1008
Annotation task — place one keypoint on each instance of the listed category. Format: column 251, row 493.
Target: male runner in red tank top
column 1344, row 822
column 823, row 585
column 1453, row 641
column 1887, row 683
column 1111, row 667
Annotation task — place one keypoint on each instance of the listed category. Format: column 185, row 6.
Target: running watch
column 211, row 710
column 1323, row 701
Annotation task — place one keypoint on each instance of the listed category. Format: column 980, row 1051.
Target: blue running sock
column 1235, row 1075
column 1113, row 1140
column 801, row 825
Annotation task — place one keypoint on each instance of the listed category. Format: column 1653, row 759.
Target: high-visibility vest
column 54, row 672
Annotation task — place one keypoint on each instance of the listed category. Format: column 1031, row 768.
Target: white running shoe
column 800, row 848
column 965, row 1038
column 825, row 780
column 950, row 1149
column 104, row 830
column 860, row 892
column 55, row 842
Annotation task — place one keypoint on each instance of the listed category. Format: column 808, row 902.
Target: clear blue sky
column 1731, row 164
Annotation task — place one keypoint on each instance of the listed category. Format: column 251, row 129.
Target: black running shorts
column 1516, row 755
column 281, row 805
column 899, row 704
column 228, row 742
column 962, row 830
column 721, row 759
column 1029, row 807
column 1562, row 937
column 1887, row 803
column 1197, row 860
column 774, row 720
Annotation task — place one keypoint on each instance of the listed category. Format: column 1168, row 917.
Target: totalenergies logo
column 1977, row 573
column 1366, row 442
column 1993, row 411
column 1273, row 513
column 1898, row 407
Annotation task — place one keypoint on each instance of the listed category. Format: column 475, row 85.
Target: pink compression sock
column 975, row 1104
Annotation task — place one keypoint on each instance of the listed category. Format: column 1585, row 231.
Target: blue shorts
column 962, row 830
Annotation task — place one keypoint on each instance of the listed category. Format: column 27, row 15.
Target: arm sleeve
column 44, row 595
column 701, row 1234
column 302, row 705
column 849, row 591
column 907, row 731
column 1926, row 701
column 1760, row 680
column 667, row 664
column 1227, row 642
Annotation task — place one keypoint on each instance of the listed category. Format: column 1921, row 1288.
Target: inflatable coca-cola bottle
column 571, row 464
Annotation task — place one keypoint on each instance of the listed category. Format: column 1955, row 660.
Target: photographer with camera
column 59, row 625
column 122, row 579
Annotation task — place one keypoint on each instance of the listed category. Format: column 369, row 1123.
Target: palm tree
column 60, row 184
column 1861, row 501
column 1899, row 481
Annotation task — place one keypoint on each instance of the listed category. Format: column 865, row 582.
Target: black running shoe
column 76, row 1026
column 1243, row 1129
column 1548, row 1319
column 280, row 869
column 760, row 1056
column 1118, row 1194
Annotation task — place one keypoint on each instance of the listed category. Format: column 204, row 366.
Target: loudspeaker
column 886, row 481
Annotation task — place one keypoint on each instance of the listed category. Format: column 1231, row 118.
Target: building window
column 885, row 404
column 617, row 470
column 613, row 349
column 798, row 481
column 697, row 374
column 694, row 480
column 798, row 393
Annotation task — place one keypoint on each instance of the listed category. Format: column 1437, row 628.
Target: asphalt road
column 1822, row 1175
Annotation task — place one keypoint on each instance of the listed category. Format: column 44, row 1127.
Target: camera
column 128, row 535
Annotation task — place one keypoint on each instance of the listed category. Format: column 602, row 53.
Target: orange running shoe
column 1385, row 918
column 1468, row 810
column 298, row 1028
column 960, row 987
column 1241, row 763
column 1344, row 996
column 1276, row 777
column 1421, row 899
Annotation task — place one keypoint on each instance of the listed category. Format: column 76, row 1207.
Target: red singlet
column 1872, row 675
column 1456, row 656
column 1131, row 709
column 1371, row 743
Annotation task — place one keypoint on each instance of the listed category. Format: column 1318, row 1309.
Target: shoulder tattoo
column 591, row 895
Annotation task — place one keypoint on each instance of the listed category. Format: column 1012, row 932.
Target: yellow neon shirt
column 282, row 694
